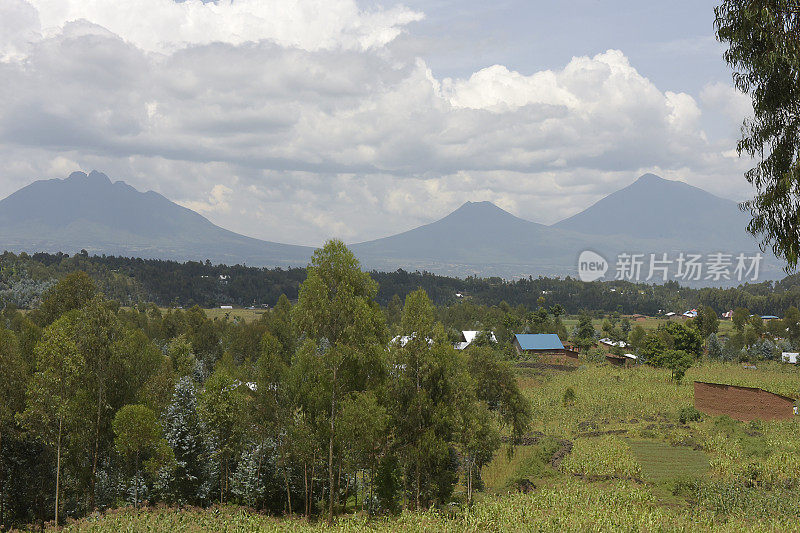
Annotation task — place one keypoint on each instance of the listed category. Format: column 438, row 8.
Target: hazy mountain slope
column 655, row 208
column 479, row 234
column 91, row 212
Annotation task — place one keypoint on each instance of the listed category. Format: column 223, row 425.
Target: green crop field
column 661, row 461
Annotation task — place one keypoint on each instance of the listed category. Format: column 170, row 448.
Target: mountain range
column 652, row 215
column 90, row 212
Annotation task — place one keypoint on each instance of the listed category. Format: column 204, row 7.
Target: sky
column 300, row 120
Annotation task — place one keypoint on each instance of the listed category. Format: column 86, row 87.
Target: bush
column 689, row 414
column 569, row 397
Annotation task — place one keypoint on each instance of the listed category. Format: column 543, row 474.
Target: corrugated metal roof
column 539, row 341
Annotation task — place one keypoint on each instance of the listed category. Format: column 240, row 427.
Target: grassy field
column 632, row 466
column 648, row 323
column 248, row 315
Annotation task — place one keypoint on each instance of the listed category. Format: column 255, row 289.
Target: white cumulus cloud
column 164, row 25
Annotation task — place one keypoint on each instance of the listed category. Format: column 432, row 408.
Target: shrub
column 689, row 414
column 569, row 397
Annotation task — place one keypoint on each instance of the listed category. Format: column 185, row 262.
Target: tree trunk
column 258, row 470
column 339, row 486
column 371, row 484
column 330, row 449
column 58, row 464
column 305, row 488
column 2, row 487
column 92, row 480
column 419, row 432
column 311, row 485
column 136, row 489
column 417, row 483
column 469, row 481
column 288, row 492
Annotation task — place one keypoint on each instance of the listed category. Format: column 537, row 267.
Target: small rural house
column 571, row 346
column 692, row 313
column 402, row 340
column 741, row 403
column 609, row 343
column 670, row 314
column 547, row 347
column 728, row 315
column 789, row 357
column 627, row 359
column 467, row 337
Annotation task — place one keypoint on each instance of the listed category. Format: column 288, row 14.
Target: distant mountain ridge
column 89, row 211
column 655, row 208
column 652, row 215
column 477, row 237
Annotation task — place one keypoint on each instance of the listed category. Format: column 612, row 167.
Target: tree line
column 312, row 409
column 24, row 278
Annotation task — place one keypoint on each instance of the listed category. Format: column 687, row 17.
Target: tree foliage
column 763, row 38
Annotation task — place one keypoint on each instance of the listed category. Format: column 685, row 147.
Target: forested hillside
column 23, row 278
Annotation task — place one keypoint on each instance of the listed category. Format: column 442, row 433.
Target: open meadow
column 647, row 323
column 618, row 455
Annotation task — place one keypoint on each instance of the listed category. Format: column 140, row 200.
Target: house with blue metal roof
column 547, row 349
column 537, row 342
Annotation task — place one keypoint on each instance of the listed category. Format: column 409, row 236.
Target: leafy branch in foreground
column 764, row 51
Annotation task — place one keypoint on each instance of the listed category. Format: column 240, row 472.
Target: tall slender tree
column 13, row 379
column 336, row 308
column 52, row 392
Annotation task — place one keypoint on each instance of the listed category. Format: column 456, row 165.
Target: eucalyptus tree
column 97, row 332
column 13, row 378
column 336, row 309
column 73, row 291
column 222, row 407
column 428, row 390
column 763, row 38
column 191, row 481
column 137, row 438
column 52, row 391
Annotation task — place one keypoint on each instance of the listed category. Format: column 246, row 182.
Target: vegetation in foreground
column 571, row 505
column 633, row 466
column 336, row 409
